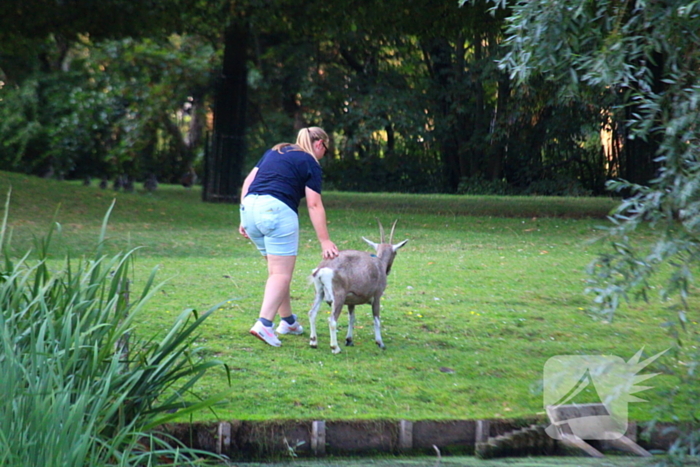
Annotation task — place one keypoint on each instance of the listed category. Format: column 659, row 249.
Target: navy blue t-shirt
column 286, row 176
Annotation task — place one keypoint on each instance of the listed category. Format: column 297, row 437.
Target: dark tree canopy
column 104, row 19
column 409, row 90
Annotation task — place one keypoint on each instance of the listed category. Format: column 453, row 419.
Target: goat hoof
column 381, row 345
column 349, row 342
column 335, row 350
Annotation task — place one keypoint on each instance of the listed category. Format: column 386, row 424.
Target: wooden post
column 483, row 427
column 405, row 435
column 223, row 442
column 318, row 437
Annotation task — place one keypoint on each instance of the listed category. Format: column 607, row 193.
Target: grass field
column 484, row 293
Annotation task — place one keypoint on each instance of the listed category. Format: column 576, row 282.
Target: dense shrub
column 557, row 187
column 481, row 186
column 409, row 175
column 546, row 187
column 144, row 116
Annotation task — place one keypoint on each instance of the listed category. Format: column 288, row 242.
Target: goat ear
column 399, row 245
column 370, row 243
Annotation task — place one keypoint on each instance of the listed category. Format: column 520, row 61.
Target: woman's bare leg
column 276, row 299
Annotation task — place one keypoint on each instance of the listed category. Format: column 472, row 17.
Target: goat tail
column 311, row 279
column 322, row 278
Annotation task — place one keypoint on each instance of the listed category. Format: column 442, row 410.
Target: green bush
column 546, row 187
column 556, row 187
column 398, row 174
column 480, row 186
column 22, row 137
column 79, row 389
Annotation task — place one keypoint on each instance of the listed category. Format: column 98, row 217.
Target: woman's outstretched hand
column 329, row 249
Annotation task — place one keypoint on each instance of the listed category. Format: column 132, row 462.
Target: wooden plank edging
column 261, row 439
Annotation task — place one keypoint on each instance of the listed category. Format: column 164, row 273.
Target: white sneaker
column 265, row 334
column 286, row 328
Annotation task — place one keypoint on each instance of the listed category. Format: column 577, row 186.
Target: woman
column 270, row 197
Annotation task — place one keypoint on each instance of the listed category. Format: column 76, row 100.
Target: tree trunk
column 638, row 164
column 225, row 157
column 438, row 55
column 497, row 151
column 463, row 121
column 477, row 148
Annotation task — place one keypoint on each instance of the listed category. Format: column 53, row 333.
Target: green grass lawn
column 484, row 293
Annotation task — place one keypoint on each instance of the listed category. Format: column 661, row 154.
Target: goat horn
column 391, row 235
column 381, row 232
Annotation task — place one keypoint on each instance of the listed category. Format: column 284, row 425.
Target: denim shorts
column 271, row 225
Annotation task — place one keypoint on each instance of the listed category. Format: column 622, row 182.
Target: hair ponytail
column 307, row 136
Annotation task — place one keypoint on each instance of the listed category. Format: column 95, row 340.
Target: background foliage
column 124, row 108
column 413, row 105
column 648, row 55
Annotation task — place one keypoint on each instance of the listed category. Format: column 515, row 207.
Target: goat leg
column 333, row 322
column 351, row 326
column 313, row 312
column 377, row 324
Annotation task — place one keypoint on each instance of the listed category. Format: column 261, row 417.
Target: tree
column 392, row 86
column 648, row 52
column 119, row 108
column 408, row 90
column 107, row 90
column 24, row 20
column 224, row 160
column 35, row 34
column 424, row 90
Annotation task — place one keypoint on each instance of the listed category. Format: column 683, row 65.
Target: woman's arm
column 317, row 214
column 246, row 183
column 244, row 191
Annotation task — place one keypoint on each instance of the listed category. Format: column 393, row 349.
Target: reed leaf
column 70, row 395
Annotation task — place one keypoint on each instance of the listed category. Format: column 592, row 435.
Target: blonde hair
column 280, row 146
column 305, row 140
column 307, row 136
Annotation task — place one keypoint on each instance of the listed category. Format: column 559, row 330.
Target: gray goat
column 353, row 278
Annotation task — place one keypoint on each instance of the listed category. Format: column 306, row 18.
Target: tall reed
column 73, row 392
